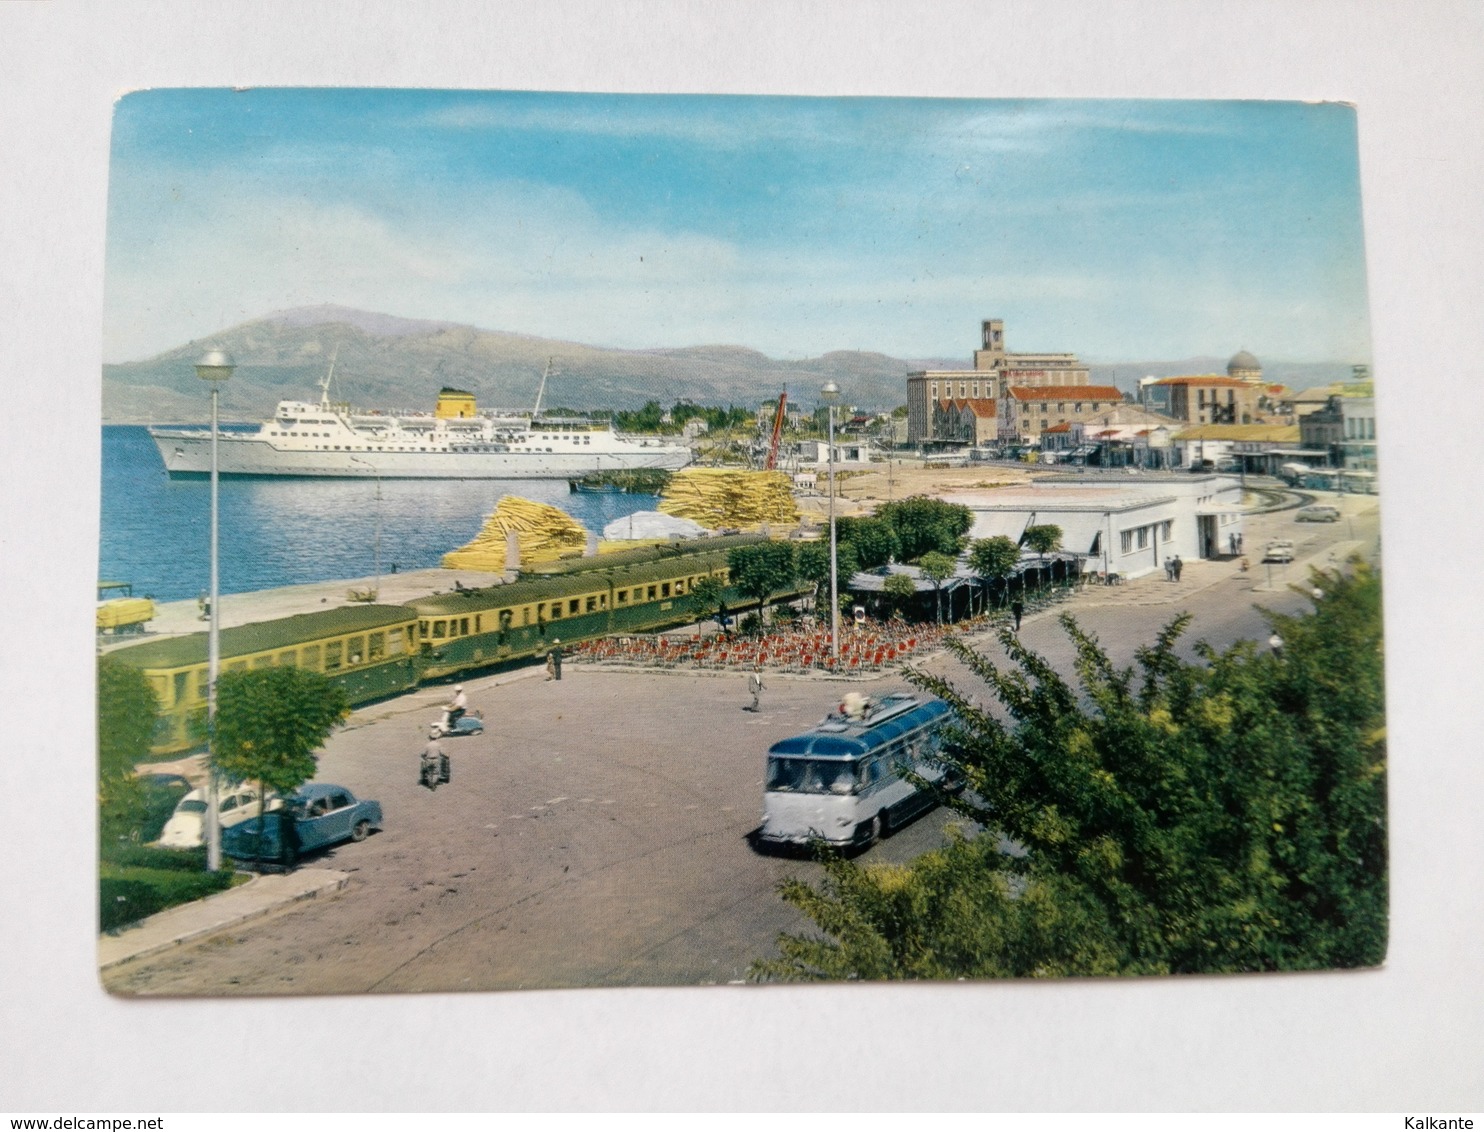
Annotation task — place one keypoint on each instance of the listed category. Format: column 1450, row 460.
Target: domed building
column 1244, row 367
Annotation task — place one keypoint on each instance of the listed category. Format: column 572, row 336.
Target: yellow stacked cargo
column 543, row 532
column 729, row 497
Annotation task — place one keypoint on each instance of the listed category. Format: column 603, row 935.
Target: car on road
column 1279, row 550
column 186, row 828
column 315, row 817
column 1317, row 513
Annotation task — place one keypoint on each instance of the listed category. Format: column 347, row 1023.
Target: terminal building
column 1117, row 528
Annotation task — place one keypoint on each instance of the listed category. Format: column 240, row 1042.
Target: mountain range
column 387, row 362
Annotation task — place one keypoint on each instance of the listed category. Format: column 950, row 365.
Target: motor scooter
column 470, row 723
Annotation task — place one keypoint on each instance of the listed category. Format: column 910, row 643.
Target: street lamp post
column 215, row 367
column 829, row 395
column 376, row 552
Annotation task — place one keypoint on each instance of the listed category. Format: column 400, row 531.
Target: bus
column 844, row 781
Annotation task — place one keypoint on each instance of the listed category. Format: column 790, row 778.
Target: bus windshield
column 812, row 776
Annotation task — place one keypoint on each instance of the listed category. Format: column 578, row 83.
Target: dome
column 1243, row 360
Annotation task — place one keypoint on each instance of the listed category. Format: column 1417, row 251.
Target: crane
column 777, row 431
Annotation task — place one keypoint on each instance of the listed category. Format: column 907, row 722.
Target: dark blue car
column 319, row 815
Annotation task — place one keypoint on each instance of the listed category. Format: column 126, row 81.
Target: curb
column 217, row 912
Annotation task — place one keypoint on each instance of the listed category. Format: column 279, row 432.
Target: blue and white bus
column 844, row 781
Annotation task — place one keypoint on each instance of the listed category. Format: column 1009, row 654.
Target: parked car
column 1279, row 550
column 319, row 815
column 186, row 828
column 1317, row 513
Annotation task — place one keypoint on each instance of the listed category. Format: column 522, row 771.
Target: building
column 972, row 421
column 1211, row 399
column 1027, row 411
column 1127, row 528
column 1257, row 449
column 994, row 371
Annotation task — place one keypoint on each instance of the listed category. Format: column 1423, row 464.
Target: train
column 374, row 651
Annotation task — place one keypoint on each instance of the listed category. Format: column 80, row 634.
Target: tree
column 269, row 724
column 874, row 540
column 993, row 559
column 1216, row 815
column 127, row 713
column 937, row 568
column 814, row 564
column 898, row 588
column 923, row 524
column 1043, row 539
column 761, row 570
column 708, row 597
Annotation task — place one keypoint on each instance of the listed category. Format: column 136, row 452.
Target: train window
column 592, row 604
column 651, row 593
column 333, row 653
column 463, row 626
column 479, row 621
column 602, row 601
column 180, row 687
column 310, row 657
column 160, row 685
column 623, row 597
column 574, row 606
column 237, row 666
column 264, row 661
column 395, row 642
column 525, row 615
column 422, row 627
column 664, row 589
column 355, row 648
column 556, row 610
column 202, row 683
column 375, row 646
column 440, row 630
column 287, row 658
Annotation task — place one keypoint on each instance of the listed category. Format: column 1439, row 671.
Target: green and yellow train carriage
column 470, row 629
column 369, row 650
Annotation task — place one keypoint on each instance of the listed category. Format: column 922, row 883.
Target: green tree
column 994, row 559
column 874, row 540
column 761, row 570
column 899, row 588
column 937, row 568
column 708, row 597
column 814, row 564
column 127, row 713
column 923, row 524
column 1043, row 538
column 1220, row 814
column 269, row 724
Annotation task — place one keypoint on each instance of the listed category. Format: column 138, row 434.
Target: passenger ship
column 454, row 442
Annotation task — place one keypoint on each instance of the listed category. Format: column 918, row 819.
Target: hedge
column 127, row 894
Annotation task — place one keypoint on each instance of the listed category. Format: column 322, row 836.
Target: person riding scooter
column 457, row 708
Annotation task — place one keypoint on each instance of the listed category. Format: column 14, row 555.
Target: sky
column 1116, row 230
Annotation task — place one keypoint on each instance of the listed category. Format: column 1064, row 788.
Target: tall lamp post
column 215, row 367
column 829, row 395
column 375, row 471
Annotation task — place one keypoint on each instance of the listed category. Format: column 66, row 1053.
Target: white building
column 1124, row 528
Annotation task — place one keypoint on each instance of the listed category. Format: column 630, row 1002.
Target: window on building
column 1126, row 541
column 1143, row 537
column 1166, row 530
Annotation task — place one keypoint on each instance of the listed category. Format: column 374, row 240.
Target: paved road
column 595, row 835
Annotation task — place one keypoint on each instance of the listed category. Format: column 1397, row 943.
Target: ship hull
column 188, row 456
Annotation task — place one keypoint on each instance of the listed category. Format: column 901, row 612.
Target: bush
column 129, row 894
column 152, row 857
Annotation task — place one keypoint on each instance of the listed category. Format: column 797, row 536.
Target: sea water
column 156, row 532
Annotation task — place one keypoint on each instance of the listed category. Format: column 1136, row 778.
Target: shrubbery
column 126, row 894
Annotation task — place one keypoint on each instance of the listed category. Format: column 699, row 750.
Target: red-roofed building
column 971, row 421
column 1027, row 411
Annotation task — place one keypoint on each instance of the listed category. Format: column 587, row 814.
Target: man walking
column 1017, row 610
column 556, row 658
column 1178, row 566
column 755, row 685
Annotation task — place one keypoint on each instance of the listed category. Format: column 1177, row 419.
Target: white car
column 1279, row 550
column 186, row 828
column 1317, row 513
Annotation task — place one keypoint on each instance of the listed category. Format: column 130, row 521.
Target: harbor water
column 155, row 532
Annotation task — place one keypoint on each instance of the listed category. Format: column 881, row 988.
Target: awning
column 991, row 524
column 1078, row 528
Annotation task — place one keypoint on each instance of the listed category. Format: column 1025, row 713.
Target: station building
column 1123, row 528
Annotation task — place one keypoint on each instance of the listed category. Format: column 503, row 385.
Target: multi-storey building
column 1026, row 411
column 1211, row 399
column 995, row 370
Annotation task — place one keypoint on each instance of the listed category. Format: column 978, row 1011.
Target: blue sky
column 1117, row 230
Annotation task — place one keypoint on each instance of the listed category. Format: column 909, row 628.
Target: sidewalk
column 258, row 897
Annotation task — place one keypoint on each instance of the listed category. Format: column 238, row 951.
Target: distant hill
column 387, row 362
column 382, row 361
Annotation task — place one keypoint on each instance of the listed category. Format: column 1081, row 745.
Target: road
column 595, row 835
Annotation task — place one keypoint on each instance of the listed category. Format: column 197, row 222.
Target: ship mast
column 541, row 390
column 324, row 386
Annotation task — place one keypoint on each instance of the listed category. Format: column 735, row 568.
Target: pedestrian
column 1178, row 567
column 1017, row 610
column 755, row 685
column 1275, row 643
column 1232, row 542
column 556, row 658
column 433, row 753
column 550, row 664
column 1169, row 569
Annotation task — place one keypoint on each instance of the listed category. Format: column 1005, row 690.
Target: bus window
column 813, row 776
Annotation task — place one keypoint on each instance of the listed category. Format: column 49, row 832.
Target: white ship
column 454, row 442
